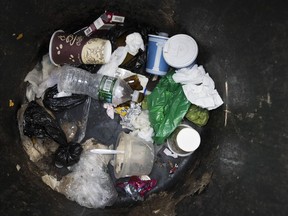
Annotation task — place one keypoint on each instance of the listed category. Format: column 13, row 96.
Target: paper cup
column 155, row 61
column 184, row 140
column 73, row 49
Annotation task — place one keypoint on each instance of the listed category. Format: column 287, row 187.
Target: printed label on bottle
column 106, row 89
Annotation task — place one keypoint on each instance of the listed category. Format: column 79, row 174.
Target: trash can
column 240, row 167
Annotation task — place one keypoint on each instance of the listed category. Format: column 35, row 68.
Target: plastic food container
column 184, row 140
column 180, row 51
column 138, row 157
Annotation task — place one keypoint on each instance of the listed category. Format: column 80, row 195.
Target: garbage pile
column 147, row 83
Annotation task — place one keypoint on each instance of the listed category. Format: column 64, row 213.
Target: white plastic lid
column 188, row 139
column 180, row 51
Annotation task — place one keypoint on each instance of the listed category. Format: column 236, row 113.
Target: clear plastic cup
column 138, row 157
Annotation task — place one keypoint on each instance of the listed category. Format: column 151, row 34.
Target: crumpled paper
column 133, row 112
column 142, row 126
column 198, row 86
column 138, row 122
column 134, row 42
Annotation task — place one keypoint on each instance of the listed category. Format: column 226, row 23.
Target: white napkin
column 134, row 42
column 38, row 75
column 198, row 86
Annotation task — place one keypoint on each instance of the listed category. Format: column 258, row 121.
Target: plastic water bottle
column 105, row 88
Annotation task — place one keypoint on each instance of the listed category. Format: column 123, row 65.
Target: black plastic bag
column 137, row 63
column 62, row 103
column 68, row 155
column 39, row 123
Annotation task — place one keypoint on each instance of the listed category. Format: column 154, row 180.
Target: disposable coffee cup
column 180, row 51
column 73, row 49
column 184, row 140
column 156, row 63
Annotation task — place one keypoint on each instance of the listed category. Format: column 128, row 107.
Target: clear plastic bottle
column 109, row 89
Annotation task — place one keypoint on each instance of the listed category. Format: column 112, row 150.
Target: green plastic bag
column 167, row 105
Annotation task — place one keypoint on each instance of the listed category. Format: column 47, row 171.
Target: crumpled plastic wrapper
column 90, row 185
column 137, row 188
